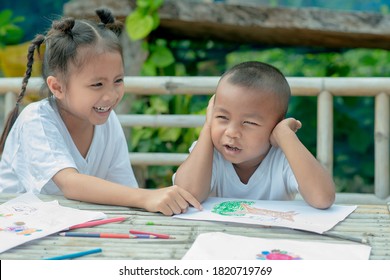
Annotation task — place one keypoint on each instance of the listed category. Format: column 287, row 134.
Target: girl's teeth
column 102, row 109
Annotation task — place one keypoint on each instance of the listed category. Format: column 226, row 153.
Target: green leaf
column 169, row 134
column 13, row 35
column 148, row 69
column 144, row 3
column 139, row 134
column 156, row 20
column 138, row 26
column 162, row 57
column 155, row 4
column 159, row 105
column 5, row 17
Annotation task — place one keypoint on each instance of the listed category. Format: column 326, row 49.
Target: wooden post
column 325, row 130
column 382, row 116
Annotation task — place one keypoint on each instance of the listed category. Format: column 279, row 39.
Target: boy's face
column 242, row 123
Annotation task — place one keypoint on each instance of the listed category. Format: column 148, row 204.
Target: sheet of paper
column 294, row 214
column 222, row 246
column 26, row 218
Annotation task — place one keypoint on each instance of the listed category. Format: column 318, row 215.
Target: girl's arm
column 315, row 183
column 194, row 174
column 169, row 200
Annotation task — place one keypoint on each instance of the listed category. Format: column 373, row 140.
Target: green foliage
column 10, row 33
column 144, row 19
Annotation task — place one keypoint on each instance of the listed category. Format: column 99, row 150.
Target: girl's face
column 242, row 123
column 93, row 91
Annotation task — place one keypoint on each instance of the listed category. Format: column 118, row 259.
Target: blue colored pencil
column 75, row 255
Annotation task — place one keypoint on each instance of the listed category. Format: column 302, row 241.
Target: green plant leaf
column 138, row 26
column 144, row 3
column 5, row 17
column 169, row 134
column 162, row 57
column 13, row 35
column 148, row 69
column 155, row 4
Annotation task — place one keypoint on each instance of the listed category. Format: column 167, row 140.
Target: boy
column 248, row 149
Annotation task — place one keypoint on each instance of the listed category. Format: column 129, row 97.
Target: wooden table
column 367, row 222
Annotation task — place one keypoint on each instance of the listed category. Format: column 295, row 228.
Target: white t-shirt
column 272, row 180
column 39, row 145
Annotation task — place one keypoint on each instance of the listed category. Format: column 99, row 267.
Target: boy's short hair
column 263, row 77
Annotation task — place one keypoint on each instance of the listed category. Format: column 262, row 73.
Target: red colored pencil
column 97, row 222
column 158, row 235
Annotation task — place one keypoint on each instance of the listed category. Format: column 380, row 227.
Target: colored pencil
column 97, row 234
column 105, row 235
column 97, row 222
column 75, row 255
column 158, row 235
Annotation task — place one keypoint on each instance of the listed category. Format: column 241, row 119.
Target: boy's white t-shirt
column 39, row 145
column 272, row 180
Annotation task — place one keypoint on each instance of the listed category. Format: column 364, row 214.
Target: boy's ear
column 55, row 86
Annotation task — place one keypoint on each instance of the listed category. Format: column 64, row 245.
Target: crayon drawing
column 224, row 246
column 245, row 208
column 277, row 254
column 292, row 214
column 27, row 218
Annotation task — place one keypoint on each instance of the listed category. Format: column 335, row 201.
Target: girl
column 72, row 142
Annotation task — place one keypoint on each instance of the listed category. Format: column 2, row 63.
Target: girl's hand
column 170, row 200
column 282, row 129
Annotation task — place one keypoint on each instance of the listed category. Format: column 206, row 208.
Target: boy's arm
column 77, row 186
column 315, row 183
column 194, row 174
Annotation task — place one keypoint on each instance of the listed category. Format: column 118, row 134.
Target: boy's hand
column 210, row 108
column 170, row 200
column 282, row 129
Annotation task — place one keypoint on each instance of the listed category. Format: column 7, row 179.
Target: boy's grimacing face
column 242, row 123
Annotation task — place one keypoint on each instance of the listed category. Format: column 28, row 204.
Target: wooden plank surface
column 368, row 222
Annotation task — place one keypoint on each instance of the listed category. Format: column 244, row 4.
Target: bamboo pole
column 325, row 130
column 382, row 182
column 162, row 120
column 9, row 103
column 300, row 86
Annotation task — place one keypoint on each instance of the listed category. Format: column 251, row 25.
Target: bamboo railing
column 324, row 88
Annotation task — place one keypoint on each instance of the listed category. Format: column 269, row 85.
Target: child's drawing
column 245, row 208
column 277, row 254
column 26, row 218
column 20, row 228
column 225, row 246
column 295, row 214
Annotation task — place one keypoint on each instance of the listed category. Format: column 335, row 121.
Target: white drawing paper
column 295, row 214
column 26, row 218
column 223, row 246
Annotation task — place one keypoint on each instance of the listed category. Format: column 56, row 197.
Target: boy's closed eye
column 96, row 85
column 221, row 117
column 251, row 123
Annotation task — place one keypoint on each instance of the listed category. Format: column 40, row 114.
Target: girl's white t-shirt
column 39, row 145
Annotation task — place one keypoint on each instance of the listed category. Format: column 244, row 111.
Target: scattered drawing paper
column 27, row 218
column 222, row 246
column 292, row 214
